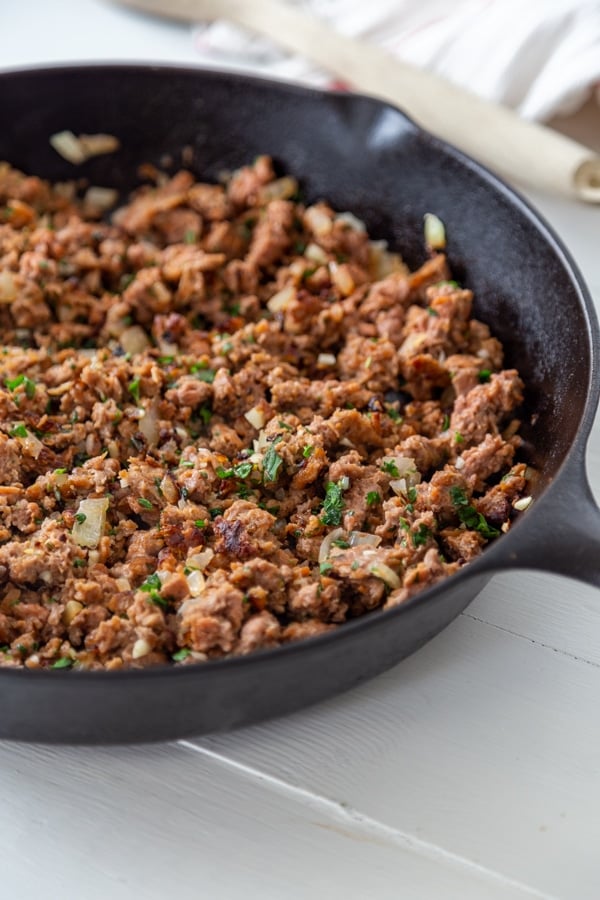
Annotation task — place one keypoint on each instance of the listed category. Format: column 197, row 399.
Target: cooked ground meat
column 229, row 421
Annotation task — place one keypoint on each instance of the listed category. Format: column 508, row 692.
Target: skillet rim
column 571, row 464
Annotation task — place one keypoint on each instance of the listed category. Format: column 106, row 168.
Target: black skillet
column 364, row 156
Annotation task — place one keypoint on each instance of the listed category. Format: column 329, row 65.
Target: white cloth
column 541, row 57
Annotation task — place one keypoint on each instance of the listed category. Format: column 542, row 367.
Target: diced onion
column 352, row 221
column 72, row 609
column 140, row 648
column 326, row 359
column 344, row 482
column 318, row 221
column 196, row 582
column 342, row 279
column 363, row 538
column 88, row 532
column 101, row 198
column 8, row 287
column 435, row 233
column 200, row 560
column 325, row 548
column 316, row 254
column 134, row 339
column 282, row 299
column 30, row 444
column 169, row 489
column 281, row 189
column 523, row 503
column 77, row 149
column 148, row 425
column 60, row 479
column 459, row 463
column 382, row 570
column 122, row 584
column 255, row 416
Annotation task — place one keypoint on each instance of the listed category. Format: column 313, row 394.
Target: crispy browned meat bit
column 229, row 421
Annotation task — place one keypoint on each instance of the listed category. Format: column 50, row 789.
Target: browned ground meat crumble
column 282, row 427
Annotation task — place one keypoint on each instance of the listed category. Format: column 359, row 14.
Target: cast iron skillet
column 367, row 157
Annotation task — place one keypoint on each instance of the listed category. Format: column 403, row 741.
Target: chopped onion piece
column 30, row 444
column 352, row 221
column 72, row 609
column 148, row 425
column 523, row 503
column 318, row 221
column 325, row 548
column 256, row 417
column 8, row 287
column 140, row 648
column 383, row 571
column 281, row 189
column 435, row 233
column 101, row 198
column 87, row 533
column 200, row 560
column 344, row 482
column 77, row 149
column 342, row 279
column 134, row 339
column 196, row 582
column 326, row 359
column 282, row 299
column 459, row 463
column 363, row 538
column 316, row 254
column 122, row 584
column 60, row 478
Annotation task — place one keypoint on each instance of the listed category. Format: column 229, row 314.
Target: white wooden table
column 471, row 770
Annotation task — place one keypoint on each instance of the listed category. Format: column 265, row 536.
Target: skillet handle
column 567, row 540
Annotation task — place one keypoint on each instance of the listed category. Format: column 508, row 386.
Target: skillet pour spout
column 365, row 156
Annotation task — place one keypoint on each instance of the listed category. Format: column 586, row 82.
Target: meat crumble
column 230, row 420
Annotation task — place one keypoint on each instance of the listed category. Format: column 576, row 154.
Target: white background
column 471, row 770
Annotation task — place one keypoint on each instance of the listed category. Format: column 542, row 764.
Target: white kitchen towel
column 540, row 57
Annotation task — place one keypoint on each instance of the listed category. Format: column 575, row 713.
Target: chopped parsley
column 205, row 414
column 308, row 451
column 190, row 236
column 241, row 470
column 207, row 375
column 13, row 383
column 285, row 425
column 272, row 462
column 63, row 663
column 373, row 497
column 147, row 504
column 390, row 467
column 459, row 439
column 165, row 360
column 393, row 414
column 325, row 567
column 333, row 505
column 420, row 536
column 446, row 423
column 484, row 375
column 134, row 389
column 215, row 511
column 152, row 586
column 80, row 517
column 19, row 431
column 180, row 655
column 469, row 516
column 341, row 543
column 411, row 494
column 79, row 563
column 200, row 523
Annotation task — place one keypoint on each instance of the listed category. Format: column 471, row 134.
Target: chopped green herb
column 391, row 468
column 242, row 470
column 458, row 437
column 60, row 471
column 19, row 431
column 165, row 360
column 272, row 462
column 341, row 543
column 458, row 496
column 485, row 375
column 80, row 517
column 432, row 312
column 190, row 236
column 333, row 505
column 79, row 563
column 134, row 389
column 469, row 516
column 124, row 283
column 152, row 583
column 180, row 655
column 285, row 425
column 446, row 423
column 308, row 451
column 215, row 511
column 186, row 464
column 393, row 414
column 308, row 272
column 420, row 536
column 325, row 567
column 207, row 375
column 373, row 497
column 412, row 494
column 200, row 523
column 147, row 504
column 63, row 663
